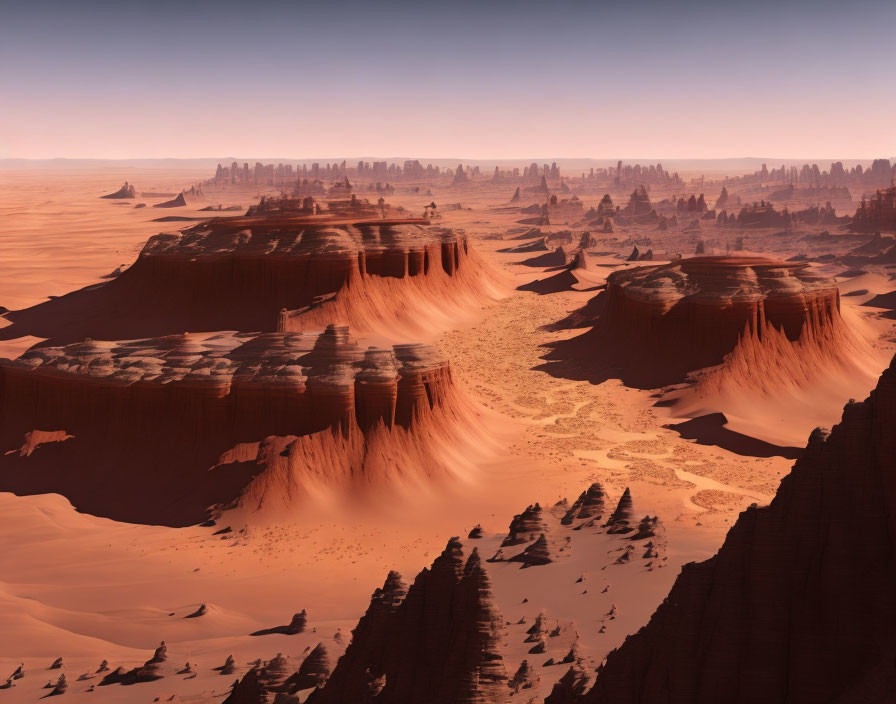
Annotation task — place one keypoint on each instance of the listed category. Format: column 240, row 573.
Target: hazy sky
column 500, row 79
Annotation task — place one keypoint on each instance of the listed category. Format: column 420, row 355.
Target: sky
column 647, row 79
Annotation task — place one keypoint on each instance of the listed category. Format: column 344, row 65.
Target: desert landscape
column 455, row 430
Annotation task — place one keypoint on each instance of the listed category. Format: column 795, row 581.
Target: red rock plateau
column 797, row 605
column 212, row 419
column 698, row 310
column 275, row 272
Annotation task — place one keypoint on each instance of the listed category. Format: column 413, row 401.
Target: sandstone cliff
column 170, row 409
column 797, row 605
column 273, row 273
column 696, row 310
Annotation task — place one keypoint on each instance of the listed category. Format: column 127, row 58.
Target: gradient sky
column 640, row 79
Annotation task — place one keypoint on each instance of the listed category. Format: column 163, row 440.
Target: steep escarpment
column 192, row 419
column 436, row 644
column 274, row 272
column 797, row 606
column 696, row 310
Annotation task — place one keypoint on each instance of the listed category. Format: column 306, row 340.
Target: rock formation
column 60, row 687
column 182, row 402
column 148, row 672
column 590, row 504
column 877, row 212
column 697, row 310
column 269, row 273
column 538, row 553
column 126, row 191
column 638, row 202
column 622, row 516
column 797, row 605
column 177, row 202
column 248, row 690
column 313, row 672
column 436, row 645
column 294, row 627
column 525, row 527
column 201, row 611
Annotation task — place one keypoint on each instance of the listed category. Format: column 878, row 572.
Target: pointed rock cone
column 590, row 504
column 516, row 195
column 538, row 627
column 56, row 664
column 572, row 655
column 229, row 666
column 570, row 688
column 248, row 690
column 475, row 534
column 525, row 526
column 274, row 673
column 314, row 670
column 104, row 666
column 441, row 643
column 19, row 672
column 633, row 257
column 538, row 553
column 523, row 678
column 298, row 623
column 538, row 648
column 61, row 686
column 646, row 528
column 621, row 518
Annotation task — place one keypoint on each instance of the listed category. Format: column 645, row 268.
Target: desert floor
column 89, row 589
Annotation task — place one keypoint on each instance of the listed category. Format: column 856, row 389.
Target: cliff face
column 696, row 310
column 72, row 418
column 436, row 645
column 797, row 606
column 266, row 273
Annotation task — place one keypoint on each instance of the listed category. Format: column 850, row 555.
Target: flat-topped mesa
column 287, row 272
column 183, row 400
column 696, row 310
column 797, row 605
column 440, row 644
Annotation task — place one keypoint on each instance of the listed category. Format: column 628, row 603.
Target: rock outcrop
column 271, row 273
column 436, row 645
column 170, row 408
column 294, row 627
column 797, row 605
column 696, row 310
column 525, row 527
column 126, row 191
column 590, row 504
column 177, row 202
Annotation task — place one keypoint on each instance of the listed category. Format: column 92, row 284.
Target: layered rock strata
column 177, row 406
column 696, row 310
column 797, row 605
column 270, row 273
column 436, row 644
